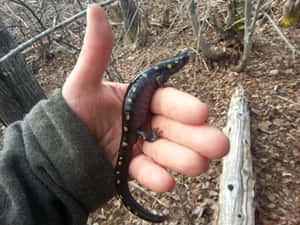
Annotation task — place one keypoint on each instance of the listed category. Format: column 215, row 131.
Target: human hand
column 186, row 143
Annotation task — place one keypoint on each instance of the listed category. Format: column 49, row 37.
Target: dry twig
column 141, row 189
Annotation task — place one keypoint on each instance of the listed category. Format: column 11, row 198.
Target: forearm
column 51, row 169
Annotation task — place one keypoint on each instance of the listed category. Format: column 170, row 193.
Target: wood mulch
column 272, row 81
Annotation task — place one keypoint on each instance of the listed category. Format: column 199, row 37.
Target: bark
column 19, row 90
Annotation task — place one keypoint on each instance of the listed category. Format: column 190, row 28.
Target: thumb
column 95, row 53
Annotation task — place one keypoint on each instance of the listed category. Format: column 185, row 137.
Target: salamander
column 135, row 110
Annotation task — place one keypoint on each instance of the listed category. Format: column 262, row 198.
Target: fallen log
column 237, row 182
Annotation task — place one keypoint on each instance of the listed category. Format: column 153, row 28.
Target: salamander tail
column 138, row 210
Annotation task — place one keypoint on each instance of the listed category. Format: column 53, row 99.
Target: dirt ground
column 272, row 83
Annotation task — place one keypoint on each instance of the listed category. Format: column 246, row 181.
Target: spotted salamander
column 134, row 115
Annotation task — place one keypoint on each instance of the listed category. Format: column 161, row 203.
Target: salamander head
column 166, row 68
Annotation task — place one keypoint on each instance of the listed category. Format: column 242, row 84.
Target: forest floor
column 272, row 83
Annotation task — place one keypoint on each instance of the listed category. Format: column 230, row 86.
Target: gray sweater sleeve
column 51, row 169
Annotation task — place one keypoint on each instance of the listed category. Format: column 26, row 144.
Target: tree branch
column 30, row 10
column 197, row 27
column 293, row 48
column 28, row 43
column 248, row 32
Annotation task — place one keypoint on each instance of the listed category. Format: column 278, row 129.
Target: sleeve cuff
column 60, row 150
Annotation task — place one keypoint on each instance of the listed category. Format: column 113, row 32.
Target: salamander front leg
column 151, row 138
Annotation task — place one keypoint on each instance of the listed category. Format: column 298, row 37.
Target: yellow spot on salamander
column 176, row 61
column 120, row 163
column 144, row 75
column 134, row 89
column 125, row 129
column 124, row 144
column 156, row 67
column 127, row 117
column 129, row 100
column 169, row 66
column 120, row 158
column 117, row 172
column 118, row 181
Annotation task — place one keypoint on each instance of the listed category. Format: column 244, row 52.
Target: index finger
column 180, row 106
